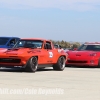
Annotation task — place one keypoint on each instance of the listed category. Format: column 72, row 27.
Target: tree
column 66, row 44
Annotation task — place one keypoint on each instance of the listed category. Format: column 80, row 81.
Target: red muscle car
column 32, row 54
column 88, row 54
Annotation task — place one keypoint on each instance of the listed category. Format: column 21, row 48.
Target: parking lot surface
column 70, row 84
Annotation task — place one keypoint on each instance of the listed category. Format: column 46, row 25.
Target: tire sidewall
column 99, row 63
column 62, row 67
column 30, row 67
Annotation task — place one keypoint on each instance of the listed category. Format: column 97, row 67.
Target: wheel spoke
column 34, row 62
column 61, row 61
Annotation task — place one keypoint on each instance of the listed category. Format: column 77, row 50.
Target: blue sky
column 69, row 20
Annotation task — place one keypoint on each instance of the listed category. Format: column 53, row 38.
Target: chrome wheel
column 34, row 63
column 62, row 62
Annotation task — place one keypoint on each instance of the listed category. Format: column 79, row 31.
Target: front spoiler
column 79, row 64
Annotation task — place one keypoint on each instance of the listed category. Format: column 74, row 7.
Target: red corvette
column 32, row 54
column 88, row 54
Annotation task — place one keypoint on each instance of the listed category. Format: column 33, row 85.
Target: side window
column 12, row 42
column 48, row 45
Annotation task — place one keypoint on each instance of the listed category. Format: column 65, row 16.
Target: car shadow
column 10, row 70
column 92, row 67
column 21, row 70
column 39, row 70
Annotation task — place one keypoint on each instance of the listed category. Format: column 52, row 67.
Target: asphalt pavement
column 71, row 84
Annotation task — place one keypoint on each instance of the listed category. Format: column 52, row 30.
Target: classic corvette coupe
column 88, row 54
column 32, row 54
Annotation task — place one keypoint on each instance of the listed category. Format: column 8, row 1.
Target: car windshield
column 89, row 47
column 29, row 44
column 3, row 41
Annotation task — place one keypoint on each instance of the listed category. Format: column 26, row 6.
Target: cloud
column 59, row 4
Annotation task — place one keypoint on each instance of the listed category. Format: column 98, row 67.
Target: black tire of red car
column 99, row 63
column 32, row 65
column 60, row 65
column 68, row 65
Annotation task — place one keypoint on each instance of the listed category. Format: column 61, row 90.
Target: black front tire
column 60, row 65
column 98, row 63
column 32, row 65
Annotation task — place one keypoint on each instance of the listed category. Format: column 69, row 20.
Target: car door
column 46, row 56
column 49, row 53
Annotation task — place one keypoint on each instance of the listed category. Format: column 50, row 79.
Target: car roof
column 34, row 39
column 92, row 43
column 7, row 37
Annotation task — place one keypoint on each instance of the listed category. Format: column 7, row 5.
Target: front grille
column 9, row 60
column 73, row 61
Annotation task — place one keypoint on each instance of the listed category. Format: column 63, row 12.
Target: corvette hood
column 19, row 51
